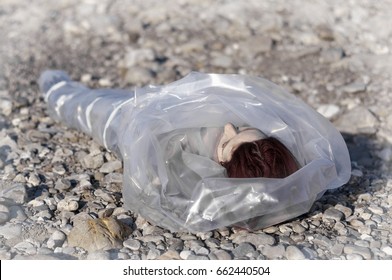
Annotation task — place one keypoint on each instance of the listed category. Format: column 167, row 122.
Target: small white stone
column 354, row 257
column 328, row 110
column 67, row 205
column 376, row 209
column 86, row 78
column 185, row 254
column 387, row 250
column 56, row 239
column 104, row 82
column 34, row 180
column 132, row 244
column 111, row 166
column 5, row 106
column 294, row 253
column 99, row 255
column 202, row 251
column 356, row 173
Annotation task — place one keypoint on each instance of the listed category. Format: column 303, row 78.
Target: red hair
column 262, row 158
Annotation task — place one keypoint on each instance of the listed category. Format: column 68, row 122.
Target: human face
column 233, row 137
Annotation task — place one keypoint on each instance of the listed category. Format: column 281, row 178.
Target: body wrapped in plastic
column 166, row 137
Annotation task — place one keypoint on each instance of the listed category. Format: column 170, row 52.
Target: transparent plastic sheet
column 165, row 136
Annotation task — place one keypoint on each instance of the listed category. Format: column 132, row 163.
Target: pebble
column 185, row 254
column 331, row 55
column 10, row 230
column 16, row 193
column 212, row 242
column 151, row 238
column 354, row 257
column 349, row 123
column 132, row 244
column 104, row 195
column 333, row 214
column 294, row 253
column 43, row 164
column 63, row 185
column 153, row 254
column 387, row 250
column 198, row 257
column 256, row 240
column 298, row 228
column 376, row 209
column 26, row 247
column 271, row 229
column 67, row 205
column 34, row 180
column 329, row 111
column 170, row 255
column 97, row 234
column 5, row 106
column 345, row 210
column 242, row 250
column 4, row 214
column 273, row 252
column 113, row 178
column 354, row 87
column 93, row 161
column 323, row 241
column 99, row 255
column 310, row 253
column 202, row 251
column 355, row 249
column 111, row 166
column 220, row 60
column 222, row 255
column 56, row 239
column 337, row 249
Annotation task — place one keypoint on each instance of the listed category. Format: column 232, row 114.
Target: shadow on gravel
column 367, row 168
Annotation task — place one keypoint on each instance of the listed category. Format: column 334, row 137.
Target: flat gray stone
column 329, row 111
column 322, row 241
column 294, row 253
column 274, row 252
column 359, row 250
column 93, row 161
column 354, row 87
column 242, row 250
column 337, row 249
column 333, row 214
column 222, row 255
column 98, row 255
column 111, row 166
column 4, row 214
column 376, row 209
column 56, row 239
column 67, row 205
column 132, row 244
column 345, row 210
column 258, row 239
column 16, row 193
column 63, row 185
column 357, row 120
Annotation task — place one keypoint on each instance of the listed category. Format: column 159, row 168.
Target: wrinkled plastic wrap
column 166, row 135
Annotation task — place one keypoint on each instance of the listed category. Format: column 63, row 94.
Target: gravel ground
column 334, row 55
